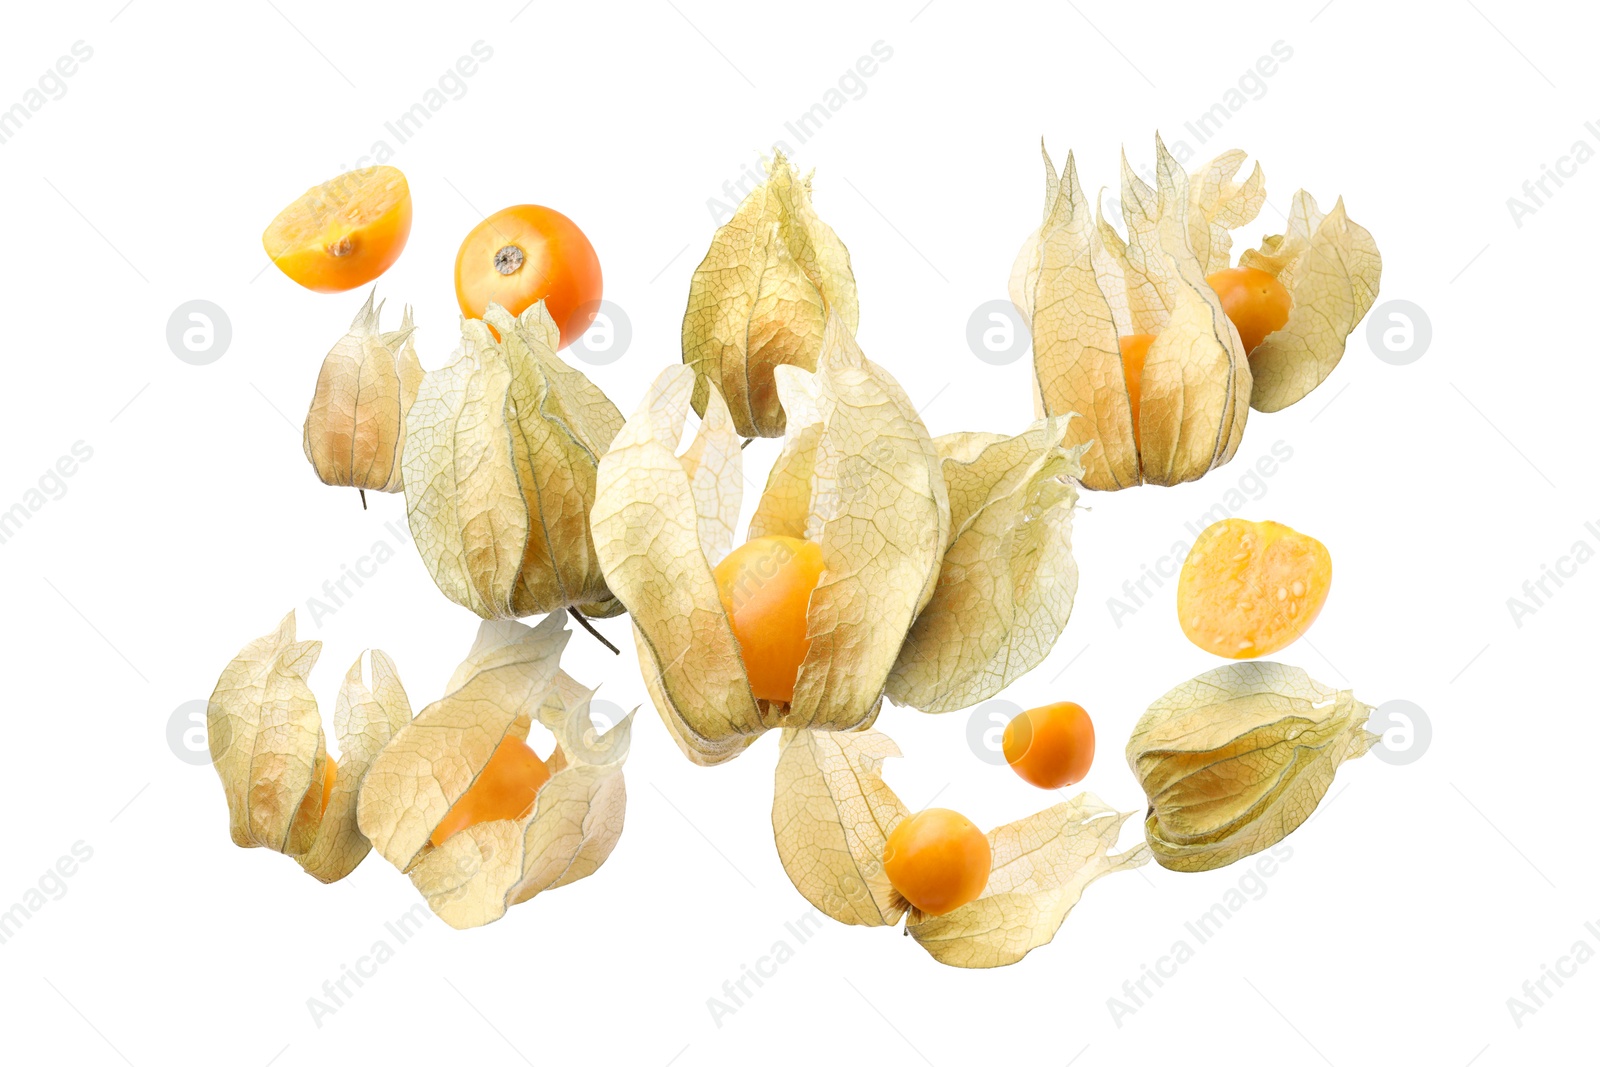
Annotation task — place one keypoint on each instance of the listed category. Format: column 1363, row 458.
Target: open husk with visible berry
column 858, row 475
column 1331, row 268
column 832, row 814
column 1085, row 288
column 510, row 679
column 267, row 745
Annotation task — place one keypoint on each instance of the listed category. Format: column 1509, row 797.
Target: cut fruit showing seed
column 342, row 233
column 1248, row 588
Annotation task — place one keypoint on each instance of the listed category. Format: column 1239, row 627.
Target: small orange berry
column 937, row 860
column 1254, row 300
column 1051, row 746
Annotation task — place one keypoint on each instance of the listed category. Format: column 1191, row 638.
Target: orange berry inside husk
column 1134, row 347
column 1051, row 746
column 504, row 790
column 937, row 860
column 329, row 775
column 1248, row 588
column 1255, row 301
column 765, row 586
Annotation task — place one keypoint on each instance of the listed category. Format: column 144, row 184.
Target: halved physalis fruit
column 1052, row 746
column 937, row 860
column 344, row 232
column 765, row 586
column 1256, row 303
column 1248, row 589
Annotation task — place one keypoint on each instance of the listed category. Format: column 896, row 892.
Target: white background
column 1417, row 902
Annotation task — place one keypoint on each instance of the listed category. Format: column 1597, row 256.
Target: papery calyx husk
column 1082, row 286
column 858, row 474
column 355, row 431
column 1234, row 760
column 1007, row 580
column 832, row 814
column 1331, row 268
column 502, row 449
column 510, row 679
column 761, row 299
column 269, row 750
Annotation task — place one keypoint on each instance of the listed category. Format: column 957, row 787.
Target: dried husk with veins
column 832, row 814
column 761, row 298
column 1233, row 761
column 1331, row 267
column 510, row 679
column 355, row 430
column 502, row 449
column 268, row 748
column 948, row 569
column 1082, row 285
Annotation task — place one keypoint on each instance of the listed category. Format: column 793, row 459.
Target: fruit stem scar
column 342, row 247
column 509, row 259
